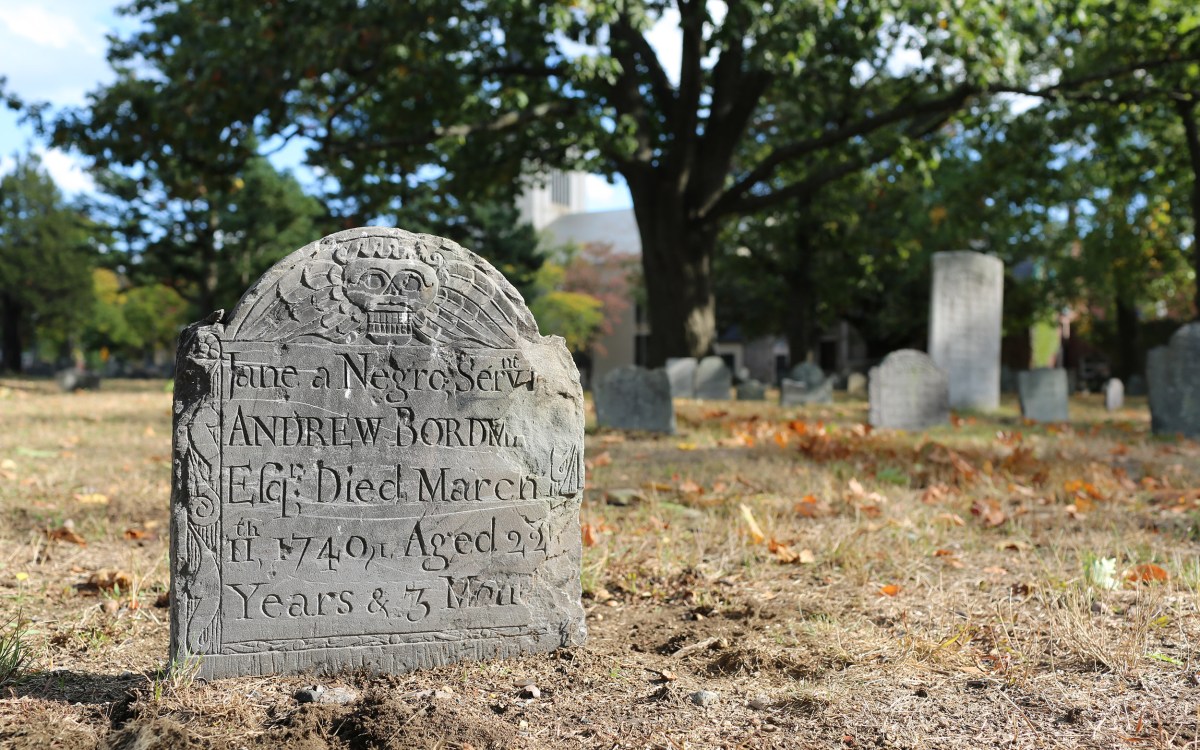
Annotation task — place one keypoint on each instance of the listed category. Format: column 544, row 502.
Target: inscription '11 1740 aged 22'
column 378, row 463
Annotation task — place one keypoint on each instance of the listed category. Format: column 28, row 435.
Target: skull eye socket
column 374, row 280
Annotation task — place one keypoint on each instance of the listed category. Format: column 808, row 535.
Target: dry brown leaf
column 989, row 511
column 1147, row 573
column 782, row 552
column 588, row 533
column 951, row 519
column 756, row 532
column 110, row 579
column 91, row 498
column 65, row 534
column 890, row 590
column 688, row 487
column 807, row 557
column 604, row 459
column 136, row 534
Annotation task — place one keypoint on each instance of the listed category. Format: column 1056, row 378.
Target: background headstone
column 1043, row 394
column 74, row 379
column 797, row 393
column 856, row 384
column 1161, row 392
column 808, row 373
column 908, row 392
column 1175, row 408
column 1008, row 379
column 1136, row 385
column 1114, row 394
column 634, row 398
column 378, row 465
column 964, row 326
column 681, row 371
column 713, row 379
column 751, row 390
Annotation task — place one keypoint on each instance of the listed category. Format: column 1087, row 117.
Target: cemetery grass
column 985, row 584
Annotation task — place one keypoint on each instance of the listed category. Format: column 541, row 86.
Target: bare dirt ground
column 987, row 584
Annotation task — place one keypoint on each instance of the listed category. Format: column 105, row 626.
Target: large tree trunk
column 802, row 331
column 1187, row 112
column 1128, row 341
column 677, row 264
column 10, row 321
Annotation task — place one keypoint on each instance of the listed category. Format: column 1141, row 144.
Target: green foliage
column 574, row 316
column 47, row 249
column 133, row 320
column 14, row 653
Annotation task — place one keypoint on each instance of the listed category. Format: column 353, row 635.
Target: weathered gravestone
column 682, row 373
column 1114, row 394
column 908, row 392
column 1174, row 385
column 378, row 464
column 634, row 398
column 964, row 326
column 73, row 379
column 806, row 384
column 751, row 390
column 1161, row 392
column 1136, row 385
column 1043, row 394
column 856, row 384
column 713, row 379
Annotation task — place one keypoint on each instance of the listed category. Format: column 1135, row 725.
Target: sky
column 53, row 51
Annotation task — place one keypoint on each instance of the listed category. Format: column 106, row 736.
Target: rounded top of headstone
column 910, row 358
column 386, row 286
column 808, row 373
column 1189, row 331
column 950, row 257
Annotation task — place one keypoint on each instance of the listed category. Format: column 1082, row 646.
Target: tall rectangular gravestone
column 378, row 464
column 1043, row 394
column 1171, row 372
column 681, row 372
column 634, row 398
column 907, row 391
column 964, row 326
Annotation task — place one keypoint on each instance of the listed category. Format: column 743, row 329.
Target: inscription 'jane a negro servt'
column 378, row 463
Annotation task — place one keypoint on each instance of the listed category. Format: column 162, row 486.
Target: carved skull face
column 392, row 292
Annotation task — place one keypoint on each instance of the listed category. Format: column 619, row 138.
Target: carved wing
column 471, row 306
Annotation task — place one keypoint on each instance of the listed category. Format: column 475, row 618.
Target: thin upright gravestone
column 714, row 379
column 378, row 464
column 1043, row 394
column 1114, row 394
column 964, row 326
column 681, row 371
column 1174, row 387
column 907, row 391
column 634, row 398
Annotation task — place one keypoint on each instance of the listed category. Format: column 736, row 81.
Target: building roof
column 617, row 228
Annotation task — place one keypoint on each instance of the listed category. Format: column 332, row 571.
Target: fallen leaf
column 755, row 531
column 110, row 579
column 686, row 446
column 658, row 486
column 91, row 498
column 781, row 439
column 588, row 533
column 688, row 487
column 65, row 534
column 1147, row 573
column 989, row 512
column 952, row 519
column 855, row 487
column 993, row 570
column 890, row 590
column 135, row 534
column 782, row 552
column 807, row 557
column 604, row 459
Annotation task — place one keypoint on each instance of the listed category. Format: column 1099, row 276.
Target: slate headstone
column 908, row 392
column 634, row 398
column 808, row 373
column 1161, row 392
column 1175, row 408
column 1136, row 385
column 378, row 465
column 797, row 393
column 73, row 379
column 856, row 384
column 751, row 390
column 714, row 380
column 967, row 302
column 1114, row 394
column 1008, row 379
column 681, row 371
column 1043, row 394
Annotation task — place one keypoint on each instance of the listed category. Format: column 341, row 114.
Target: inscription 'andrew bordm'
column 378, row 463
